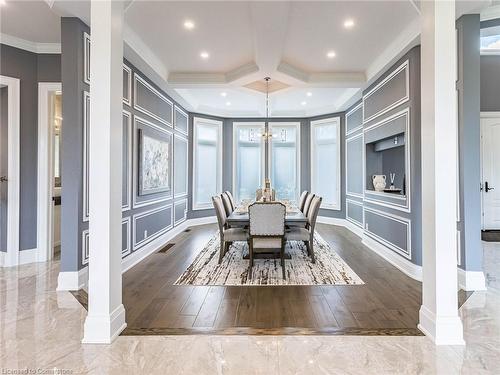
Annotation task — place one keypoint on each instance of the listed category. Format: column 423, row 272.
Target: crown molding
column 52, row 48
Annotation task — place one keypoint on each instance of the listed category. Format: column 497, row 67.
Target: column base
column 103, row 329
column 443, row 330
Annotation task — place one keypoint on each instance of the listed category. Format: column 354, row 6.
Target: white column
column 439, row 312
column 106, row 315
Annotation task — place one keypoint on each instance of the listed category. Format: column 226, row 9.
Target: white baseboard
column 443, row 330
column 471, row 280
column 341, row 222
column 76, row 280
column 25, row 257
column 104, row 329
column 2, row 258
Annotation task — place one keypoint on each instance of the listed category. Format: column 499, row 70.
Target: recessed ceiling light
column 223, row 94
column 303, row 103
column 349, row 23
column 204, row 55
column 331, row 54
column 228, row 103
column 188, row 25
column 2, row 2
column 309, row 93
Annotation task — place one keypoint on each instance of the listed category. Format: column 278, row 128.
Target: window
column 284, row 159
column 207, row 169
column 325, row 161
column 248, row 157
column 490, row 44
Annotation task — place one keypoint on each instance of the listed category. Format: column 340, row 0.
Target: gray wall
column 30, row 68
column 305, row 155
column 379, row 213
column 468, row 86
column 490, row 83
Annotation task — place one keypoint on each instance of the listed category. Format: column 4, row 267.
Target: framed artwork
column 154, row 163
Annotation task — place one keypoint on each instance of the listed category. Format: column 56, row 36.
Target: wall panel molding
column 142, row 107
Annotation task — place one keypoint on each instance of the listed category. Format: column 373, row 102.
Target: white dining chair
column 226, row 201
column 227, row 235
column 267, row 231
column 231, row 199
column 302, row 200
column 307, row 203
column 306, row 235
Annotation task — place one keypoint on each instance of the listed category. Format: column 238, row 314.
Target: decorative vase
column 379, row 182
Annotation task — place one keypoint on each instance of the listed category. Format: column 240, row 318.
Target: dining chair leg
column 250, row 259
column 311, row 249
column 282, row 254
column 226, row 247
column 221, row 250
column 307, row 247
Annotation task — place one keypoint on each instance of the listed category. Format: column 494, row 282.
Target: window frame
column 239, row 125
column 297, row 125
column 218, row 124
column 313, row 124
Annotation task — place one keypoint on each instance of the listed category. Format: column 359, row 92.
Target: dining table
column 239, row 217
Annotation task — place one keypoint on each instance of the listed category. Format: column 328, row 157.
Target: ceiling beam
column 323, row 79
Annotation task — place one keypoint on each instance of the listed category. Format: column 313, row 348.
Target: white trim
column 489, row 52
column 406, row 253
column 407, row 198
column 298, row 151
column 184, row 218
column 85, row 247
column 45, row 171
column 412, row 270
column 337, row 206
column 349, row 218
column 448, row 327
column 76, row 280
column 347, row 140
column 186, row 140
column 490, row 13
column 471, row 280
column 342, row 223
column 360, row 127
column 404, row 66
column 128, row 205
column 27, row 45
column 86, row 156
column 86, row 67
column 160, row 242
column 220, row 143
column 14, row 164
column 490, row 114
column 128, row 100
column 260, row 139
column 136, row 245
column 95, row 325
column 128, row 250
column 2, row 258
column 185, row 114
column 135, row 170
column 168, row 122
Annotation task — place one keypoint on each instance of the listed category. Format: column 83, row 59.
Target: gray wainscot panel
column 180, row 166
column 354, row 165
column 354, row 119
column 126, row 161
column 150, row 101
column 180, row 211
column 391, row 230
column 181, row 120
column 151, row 224
column 354, row 212
column 389, row 93
column 127, row 85
column 126, row 248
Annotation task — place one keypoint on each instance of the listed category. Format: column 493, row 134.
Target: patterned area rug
column 329, row 268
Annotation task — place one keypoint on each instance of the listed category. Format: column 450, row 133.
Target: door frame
column 13, row 165
column 486, row 114
column 45, row 169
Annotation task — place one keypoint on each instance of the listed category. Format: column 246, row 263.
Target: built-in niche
column 387, row 153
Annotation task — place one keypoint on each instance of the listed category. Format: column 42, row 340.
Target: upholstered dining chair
column 302, row 200
column 231, row 199
column 307, row 203
column 306, row 235
column 226, row 201
column 227, row 235
column 267, row 231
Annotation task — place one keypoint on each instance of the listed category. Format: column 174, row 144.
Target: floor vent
column 166, row 248
column 187, row 230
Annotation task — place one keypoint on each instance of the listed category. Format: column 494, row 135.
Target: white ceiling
column 247, row 41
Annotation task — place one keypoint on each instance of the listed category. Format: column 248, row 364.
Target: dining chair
column 307, row 203
column 226, row 201
column 306, row 235
column 231, row 199
column 227, row 235
column 267, row 231
column 302, row 200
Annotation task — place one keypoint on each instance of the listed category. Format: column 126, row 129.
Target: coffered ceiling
column 213, row 56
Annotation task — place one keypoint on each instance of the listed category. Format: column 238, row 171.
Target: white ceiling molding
column 416, row 5
column 325, row 79
column 52, row 48
column 203, row 79
column 409, row 38
column 490, row 13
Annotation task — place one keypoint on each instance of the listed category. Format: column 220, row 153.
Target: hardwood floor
column 388, row 302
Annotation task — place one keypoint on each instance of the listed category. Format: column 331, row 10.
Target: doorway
column 490, row 160
column 9, row 170
column 49, row 171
